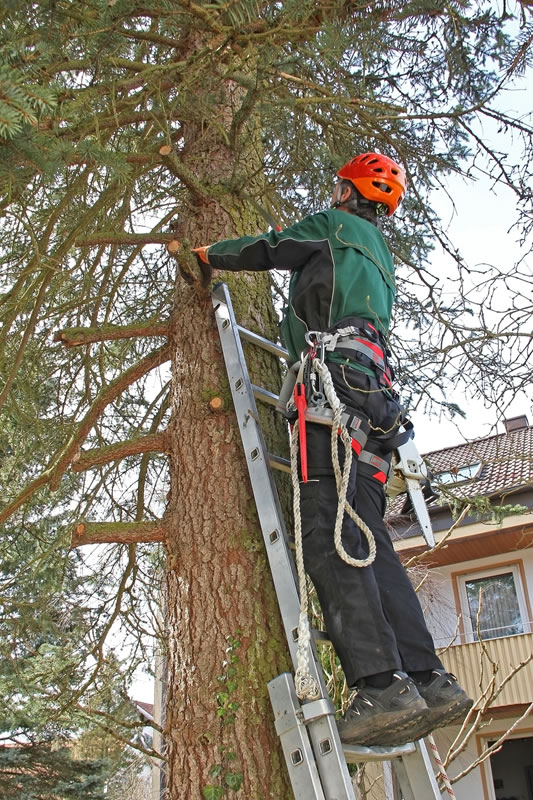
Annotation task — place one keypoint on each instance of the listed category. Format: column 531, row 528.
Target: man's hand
column 201, row 253
column 203, row 263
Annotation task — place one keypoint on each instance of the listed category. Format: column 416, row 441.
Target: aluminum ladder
column 316, row 759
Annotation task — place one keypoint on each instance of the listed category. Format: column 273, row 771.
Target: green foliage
column 226, row 706
column 481, row 508
column 21, row 104
column 89, row 94
column 212, row 792
column 42, row 772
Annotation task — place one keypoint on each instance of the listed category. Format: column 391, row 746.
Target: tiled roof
column 506, row 462
column 147, row 709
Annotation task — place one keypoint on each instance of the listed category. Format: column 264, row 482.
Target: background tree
column 42, row 772
column 126, row 130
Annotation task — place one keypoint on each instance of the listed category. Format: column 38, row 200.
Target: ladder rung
column 265, row 395
column 357, row 753
column 260, row 341
column 277, row 462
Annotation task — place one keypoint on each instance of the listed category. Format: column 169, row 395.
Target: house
column 475, row 589
column 475, row 592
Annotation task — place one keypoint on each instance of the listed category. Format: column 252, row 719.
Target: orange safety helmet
column 378, row 178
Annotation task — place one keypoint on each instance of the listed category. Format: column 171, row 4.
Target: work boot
column 447, row 703
column 377, row 713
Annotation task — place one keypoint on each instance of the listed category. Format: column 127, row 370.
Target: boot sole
column 437, row 717
column 379, row 726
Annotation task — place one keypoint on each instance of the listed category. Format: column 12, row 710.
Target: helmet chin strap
column 351, row 204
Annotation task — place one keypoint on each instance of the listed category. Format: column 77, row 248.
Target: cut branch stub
column 118, row 532
column 216, row 404
column 165, row 150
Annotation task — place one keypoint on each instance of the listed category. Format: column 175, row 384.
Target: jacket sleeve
column 291, row 248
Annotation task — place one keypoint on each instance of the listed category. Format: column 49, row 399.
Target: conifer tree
column 42, row 772
column 129, row 133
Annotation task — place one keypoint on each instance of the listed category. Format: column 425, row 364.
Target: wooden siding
column 507, row 652
column 469, row 543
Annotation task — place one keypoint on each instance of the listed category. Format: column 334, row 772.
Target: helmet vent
column 383, row 187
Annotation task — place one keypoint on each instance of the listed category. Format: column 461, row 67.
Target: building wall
column 478, row 784
column 439, row 599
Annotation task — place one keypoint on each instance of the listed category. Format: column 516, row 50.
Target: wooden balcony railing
column 474, row 669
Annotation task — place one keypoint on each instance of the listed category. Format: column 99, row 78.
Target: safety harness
column 308, row 395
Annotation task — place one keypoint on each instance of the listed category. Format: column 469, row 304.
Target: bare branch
column 52, row 474
column 124, row 238
column 87, row 459
column 74, row 337
column 118, row 532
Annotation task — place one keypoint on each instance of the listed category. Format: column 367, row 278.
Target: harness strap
column 361, row 343
column 380, row 468
column 390, row 442
column 370, row 350
column 357, row 427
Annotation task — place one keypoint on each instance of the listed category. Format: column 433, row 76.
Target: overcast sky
column 482, row 229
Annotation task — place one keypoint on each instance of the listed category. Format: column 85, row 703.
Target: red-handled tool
column 300, row 402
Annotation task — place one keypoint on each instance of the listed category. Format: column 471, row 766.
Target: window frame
column 467, row 631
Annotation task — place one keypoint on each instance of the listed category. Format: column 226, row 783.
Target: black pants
column 372, row 614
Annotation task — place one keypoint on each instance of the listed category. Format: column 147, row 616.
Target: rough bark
column 225, row 635
column 226, row 639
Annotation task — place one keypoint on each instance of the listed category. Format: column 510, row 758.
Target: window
column 493, row 603
column 459, row 474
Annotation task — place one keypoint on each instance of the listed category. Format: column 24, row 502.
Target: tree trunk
column 225, row 634
column 226, row 639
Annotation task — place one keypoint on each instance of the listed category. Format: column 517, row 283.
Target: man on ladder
column 341, row 294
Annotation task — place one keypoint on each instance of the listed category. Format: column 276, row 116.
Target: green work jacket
column 340, row 266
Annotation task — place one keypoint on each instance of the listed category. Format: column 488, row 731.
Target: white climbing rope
column 306, row 686
column 342, row 478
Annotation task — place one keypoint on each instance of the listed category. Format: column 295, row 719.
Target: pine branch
column 74, row 337
column 177, row 168
column 151, row 443
column 131, row 158
column 123, row 238
column 118, row 532
column 52, row 475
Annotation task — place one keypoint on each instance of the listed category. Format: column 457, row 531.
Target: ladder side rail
column 290, row 727
column 322, row 730
column 265, row 493
column 415, row 775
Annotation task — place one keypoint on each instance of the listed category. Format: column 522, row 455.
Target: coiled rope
column 306, row 686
